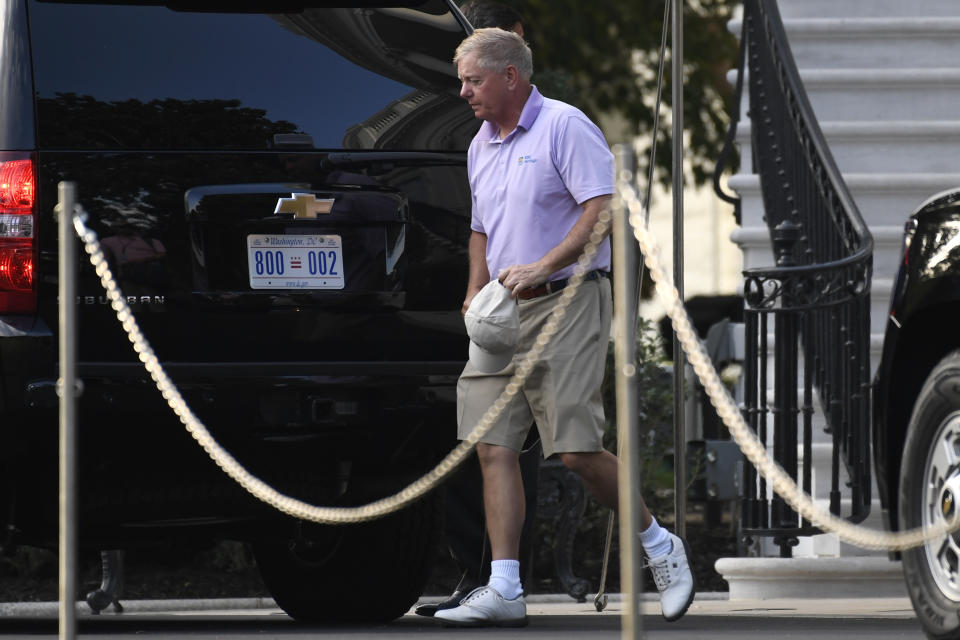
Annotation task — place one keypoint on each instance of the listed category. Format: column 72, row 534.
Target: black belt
column 558, row 285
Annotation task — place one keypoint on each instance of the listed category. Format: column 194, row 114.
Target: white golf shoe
column 671, row 573
column 485, row 607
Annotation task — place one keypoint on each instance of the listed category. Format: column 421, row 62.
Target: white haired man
column 540, row 173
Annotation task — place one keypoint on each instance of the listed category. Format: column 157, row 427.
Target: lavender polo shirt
column 527, row 189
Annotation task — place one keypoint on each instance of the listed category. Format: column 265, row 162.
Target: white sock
column 656, row 540
column 505, row 578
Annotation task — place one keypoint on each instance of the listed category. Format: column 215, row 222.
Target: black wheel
column 368, row 572
column 929, row 491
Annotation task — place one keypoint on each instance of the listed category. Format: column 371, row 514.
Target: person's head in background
column 487, row 13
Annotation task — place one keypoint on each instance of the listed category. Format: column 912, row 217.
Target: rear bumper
column 326, row 433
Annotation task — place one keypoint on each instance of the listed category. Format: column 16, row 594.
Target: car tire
column 929, row 487
column 368, row 572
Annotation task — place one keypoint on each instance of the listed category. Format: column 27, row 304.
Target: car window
column 148, row 77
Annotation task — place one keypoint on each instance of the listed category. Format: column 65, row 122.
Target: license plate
column 295, row 261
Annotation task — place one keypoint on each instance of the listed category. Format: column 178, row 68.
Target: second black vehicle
column 916, row 405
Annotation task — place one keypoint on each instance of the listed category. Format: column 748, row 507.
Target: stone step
column 767, row 578
column 879, row 94
column 884, row 199
column 871, row 42
column 865, row 8
column 753, row 236
column 754, row 241
column 889, row 199
column 887, row 147
column 874, row 42
column 878, row 324
column 876, row 348
column 921, row 94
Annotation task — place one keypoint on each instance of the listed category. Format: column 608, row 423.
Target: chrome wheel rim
column 941, row 501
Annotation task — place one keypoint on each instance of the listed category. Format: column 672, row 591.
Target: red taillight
column 17, row 186
column 16, row 268
column 18, row 248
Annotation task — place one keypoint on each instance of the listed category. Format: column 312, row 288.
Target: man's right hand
column 471, row 294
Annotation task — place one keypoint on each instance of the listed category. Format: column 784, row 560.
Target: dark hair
column 487, row 13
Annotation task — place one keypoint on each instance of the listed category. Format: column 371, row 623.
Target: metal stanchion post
column 625, row 332
column 67, row 391
column 679, row 360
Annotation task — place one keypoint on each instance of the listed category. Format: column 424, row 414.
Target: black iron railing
column 807, row 319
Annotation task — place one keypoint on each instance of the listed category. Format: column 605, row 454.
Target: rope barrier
column 727, row 410
column 750, row 445
column 263, row 491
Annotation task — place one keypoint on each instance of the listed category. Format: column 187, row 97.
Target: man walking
column 463, row 501
column 540, row 173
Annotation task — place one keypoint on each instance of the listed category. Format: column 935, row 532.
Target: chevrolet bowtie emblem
column 303, row 205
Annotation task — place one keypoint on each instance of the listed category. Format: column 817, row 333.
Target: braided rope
column 263, row 491
column 749, row 444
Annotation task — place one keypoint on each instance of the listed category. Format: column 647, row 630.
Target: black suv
column 281, row 191
column 917, row 409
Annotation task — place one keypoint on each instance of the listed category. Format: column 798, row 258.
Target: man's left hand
column 518, row 277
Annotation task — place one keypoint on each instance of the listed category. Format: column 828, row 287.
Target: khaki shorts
column 562, row 393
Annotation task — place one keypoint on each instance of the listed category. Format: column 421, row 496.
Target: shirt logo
column 522, row 160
